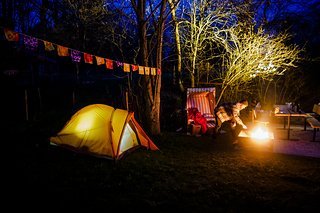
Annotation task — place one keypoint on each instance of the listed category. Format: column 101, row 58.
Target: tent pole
column 127, row 100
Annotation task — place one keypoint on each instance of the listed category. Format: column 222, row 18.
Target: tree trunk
column 151, row 84
column 147, row 96
column 178, row 44
column 157, row 101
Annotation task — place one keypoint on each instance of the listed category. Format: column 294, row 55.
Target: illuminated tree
column 220, row 38
column 173, row 7
column 251, row 54
column 206, row 22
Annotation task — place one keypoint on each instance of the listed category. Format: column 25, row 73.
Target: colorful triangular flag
column 75, row 55
column 147, row 70
column 141, row 70
column 100, row 60
column 88, row 58
column 153, row 71
column 48, row 46
column 134, row 67
column 30, row 43
column 62, row 51
column 119, row 64
column 109, row 64
column 126, row 67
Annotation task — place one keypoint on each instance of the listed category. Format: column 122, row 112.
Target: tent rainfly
column 103, row 131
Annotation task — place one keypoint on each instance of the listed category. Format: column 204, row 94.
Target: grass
column 188, row 174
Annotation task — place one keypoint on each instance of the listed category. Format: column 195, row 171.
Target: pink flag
column 119, row 64
column 75, row 56
column 30, row 43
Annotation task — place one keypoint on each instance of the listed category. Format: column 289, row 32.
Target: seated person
column 195, row 115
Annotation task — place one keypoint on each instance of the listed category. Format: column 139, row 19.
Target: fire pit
column 259, row 135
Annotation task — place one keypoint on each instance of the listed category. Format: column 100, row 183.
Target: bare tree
column 251, row 54
column 223, row 37
column 136, row 27
column 151, row 85
column 206, row 22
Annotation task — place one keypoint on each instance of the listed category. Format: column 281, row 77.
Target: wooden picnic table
column 286, row 112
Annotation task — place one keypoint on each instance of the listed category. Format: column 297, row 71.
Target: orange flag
column 126, row 67
column 141, row 70
column 48, row 46
column 99, row 60
column 62, row 51
column 109, row 64
column 10, row 35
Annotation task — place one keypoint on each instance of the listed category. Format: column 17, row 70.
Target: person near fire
column 228, row 119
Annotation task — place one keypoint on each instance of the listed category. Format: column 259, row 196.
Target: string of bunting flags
column 32, row 43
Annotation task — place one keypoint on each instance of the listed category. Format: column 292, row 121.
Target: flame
column 260, row 133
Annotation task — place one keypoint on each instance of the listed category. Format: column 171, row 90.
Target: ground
column 193, row 174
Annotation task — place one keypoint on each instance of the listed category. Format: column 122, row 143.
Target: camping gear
column 103, row 131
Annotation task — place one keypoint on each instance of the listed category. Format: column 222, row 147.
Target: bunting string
column 32, row 43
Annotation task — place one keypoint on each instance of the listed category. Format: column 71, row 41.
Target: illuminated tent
column 103, row 131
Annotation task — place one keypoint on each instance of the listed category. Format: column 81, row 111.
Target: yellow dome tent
column 103, row 131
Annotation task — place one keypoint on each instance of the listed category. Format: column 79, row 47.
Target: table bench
column 313, row 121
column 286, row 112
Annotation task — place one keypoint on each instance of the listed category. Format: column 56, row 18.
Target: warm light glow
column 86, row 122
column 260, row 133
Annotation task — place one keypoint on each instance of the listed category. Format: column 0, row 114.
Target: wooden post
column 127, row 100
column 26, row 104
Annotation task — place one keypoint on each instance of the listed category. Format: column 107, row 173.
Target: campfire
column 260, row 134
